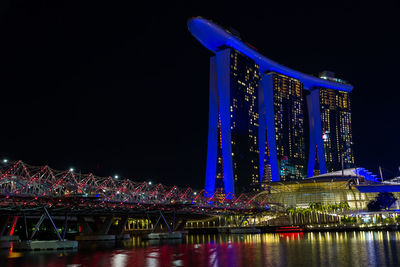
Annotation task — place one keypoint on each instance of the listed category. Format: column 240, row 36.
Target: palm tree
column 307, row 213
column 290, row 212
column 318, row 206
column 344, row 206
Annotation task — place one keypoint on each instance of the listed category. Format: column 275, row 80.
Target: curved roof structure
column 213, row 37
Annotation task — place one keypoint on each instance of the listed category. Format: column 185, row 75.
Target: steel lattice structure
column 29, row 186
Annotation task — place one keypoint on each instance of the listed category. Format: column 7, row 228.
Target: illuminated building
column 356, row 186
column 289, row 127
column 331, row 117
column 257, row 110
column 234, row 119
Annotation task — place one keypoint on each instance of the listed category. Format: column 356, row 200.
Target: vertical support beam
column 313, row 144
column 262, row 130
column 37, row 226
column 180, row 225
column 268, row 88
column 105, row 226
column 173, row 222
column 211, row 167
column 223, row 72
column 3, row 224
column 158, row 221
column 65, row 225
column 147, row 221
column 314, row 115
column 13, row 225
column 166, row 223
column 121, row 224
column 244, row 218
column 156, row 224
column 85, row 227
column 52, row 222
column 26, row 227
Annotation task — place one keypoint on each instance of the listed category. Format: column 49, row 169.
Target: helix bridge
column 25, row 188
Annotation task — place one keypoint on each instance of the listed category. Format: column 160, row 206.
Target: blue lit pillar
column 211, row 167
column 223, row 81
column 268, row 89
column 262, row 130
column 314, row 115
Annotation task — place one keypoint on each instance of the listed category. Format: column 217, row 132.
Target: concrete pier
column 123, row 236
column 173, row 235
column 5, row 244
column 95, row 237
column 45, row 245
column 5, row 241
column 243, row 230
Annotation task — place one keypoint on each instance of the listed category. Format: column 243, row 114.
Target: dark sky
column 122, row 88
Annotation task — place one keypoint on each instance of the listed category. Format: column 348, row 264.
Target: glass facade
column 219, row 179
column 324, row 191
column 336, row 129
column 244, row 81
column 289, row 127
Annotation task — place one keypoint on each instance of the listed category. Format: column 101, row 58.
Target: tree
column 386, row 199
column 344, row 206
column 382, row 201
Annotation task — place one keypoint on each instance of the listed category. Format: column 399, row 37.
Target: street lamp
column 116, row 176
column 71, row 169
column 5, row 160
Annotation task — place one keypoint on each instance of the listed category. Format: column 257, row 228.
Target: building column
column 219, row 105
column 262, row 130
column 316, row 142
column 211, row 168
column 223, row 74
column 267, row 87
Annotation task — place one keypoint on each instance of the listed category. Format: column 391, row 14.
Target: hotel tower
column 257, row 117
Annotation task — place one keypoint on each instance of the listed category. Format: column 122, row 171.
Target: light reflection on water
column 290, row 249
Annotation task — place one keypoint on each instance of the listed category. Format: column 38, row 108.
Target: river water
column 380, row 248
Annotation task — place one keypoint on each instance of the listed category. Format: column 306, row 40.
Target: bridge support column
column 102, row 233
column 180, row 226
column 53, row 224
column 159, row 222
column 65, row 226
column 39, row 223
column 3, row 224
column 106, row 225
column 162, row 235
column 121, row 226
column 6, row 235
column 30, row 244
column 84, row 225
column 26, row 227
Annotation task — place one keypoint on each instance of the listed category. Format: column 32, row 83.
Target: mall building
column 356, row 186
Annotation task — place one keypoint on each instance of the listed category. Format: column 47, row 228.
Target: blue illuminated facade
column 257, row 117
column 232, row 156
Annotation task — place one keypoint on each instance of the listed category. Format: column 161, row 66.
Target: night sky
column 114, row 88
